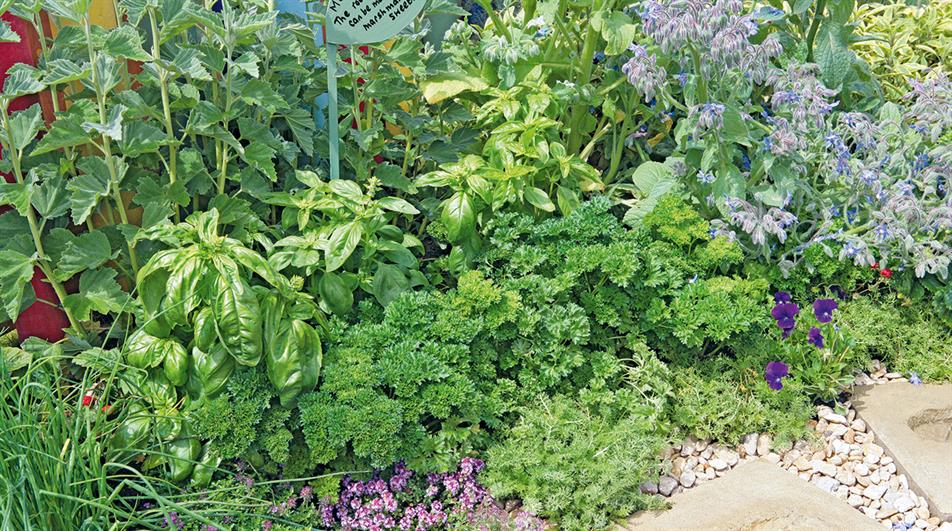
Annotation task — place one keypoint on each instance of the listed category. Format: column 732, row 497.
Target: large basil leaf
column 342, row 243
column 204, row 326
column 183, row 293
column 294, row 353
column 459, row 216
column 211, row 370
column 143, row 350
column 335, row 293
column 238, row 316
column 182, row 453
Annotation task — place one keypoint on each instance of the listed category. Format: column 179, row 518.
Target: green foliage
column 418, row 384
column 905, row 338
column 232, row 422
column 723, row 402
column 661, row 282
column 576, row 468
column 903, row 41
column 59, row 465
column 819, row 270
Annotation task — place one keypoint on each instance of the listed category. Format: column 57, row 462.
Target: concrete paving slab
column 914, row 424
column 757, row 496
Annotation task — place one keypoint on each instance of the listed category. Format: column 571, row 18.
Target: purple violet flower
column 781, row 297
column 815, row 337
column 785, row 314
column 823, row 309
column 774, row 372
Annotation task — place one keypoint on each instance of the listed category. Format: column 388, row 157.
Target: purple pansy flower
column 823, row 309
column 774, row 372
column 782, row 297
column 815, row 337
column 785, row 314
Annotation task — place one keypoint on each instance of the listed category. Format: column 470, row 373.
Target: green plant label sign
column 368, row 21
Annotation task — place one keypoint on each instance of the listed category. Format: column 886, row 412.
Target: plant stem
column 584, row 77
column 498, row 26
column 106, row 144
column 43, row 262
column 701, row 83
column 166, row 107
column 223, row 166
column 811, row 35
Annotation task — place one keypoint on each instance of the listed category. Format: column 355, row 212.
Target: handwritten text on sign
column 369, row 21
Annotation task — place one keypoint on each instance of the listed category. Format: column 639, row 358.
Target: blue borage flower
column 914, row 378
column 774, row 372
column 705, row 177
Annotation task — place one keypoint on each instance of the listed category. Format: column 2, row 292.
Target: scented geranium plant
column 816, row 350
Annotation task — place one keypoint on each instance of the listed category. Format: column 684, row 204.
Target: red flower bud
column 886, row 273
column 88, row 400
column 875, row 265
column 106, row 408
column 378, row 159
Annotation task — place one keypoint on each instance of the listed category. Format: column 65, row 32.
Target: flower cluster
column 715, row 31
column 408, row 501
column 930, row 111
column 759, row 221
column 785, row 313
column 643, row 72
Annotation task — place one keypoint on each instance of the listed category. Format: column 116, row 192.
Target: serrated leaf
column 98, row 359
column 51, row 198
column 88, row 251
column 134, row 9
column 113, row 126
column 16, row 271
column 21, row 80
column 108, row 74
column 126, row 43
column 247, row 63
column 72, row 10
column 17, row 195
column 14, row 358
column 187, row 62
column 302, row 126
column 139, row 137
column 7, row 34
column 88, row 188
column 24, row 125
column 98, row 291
column 261, row 156
column 60, row 71
column 67, row 130
column 258, row 92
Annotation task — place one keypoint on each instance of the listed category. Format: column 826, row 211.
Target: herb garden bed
column 471, row 278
